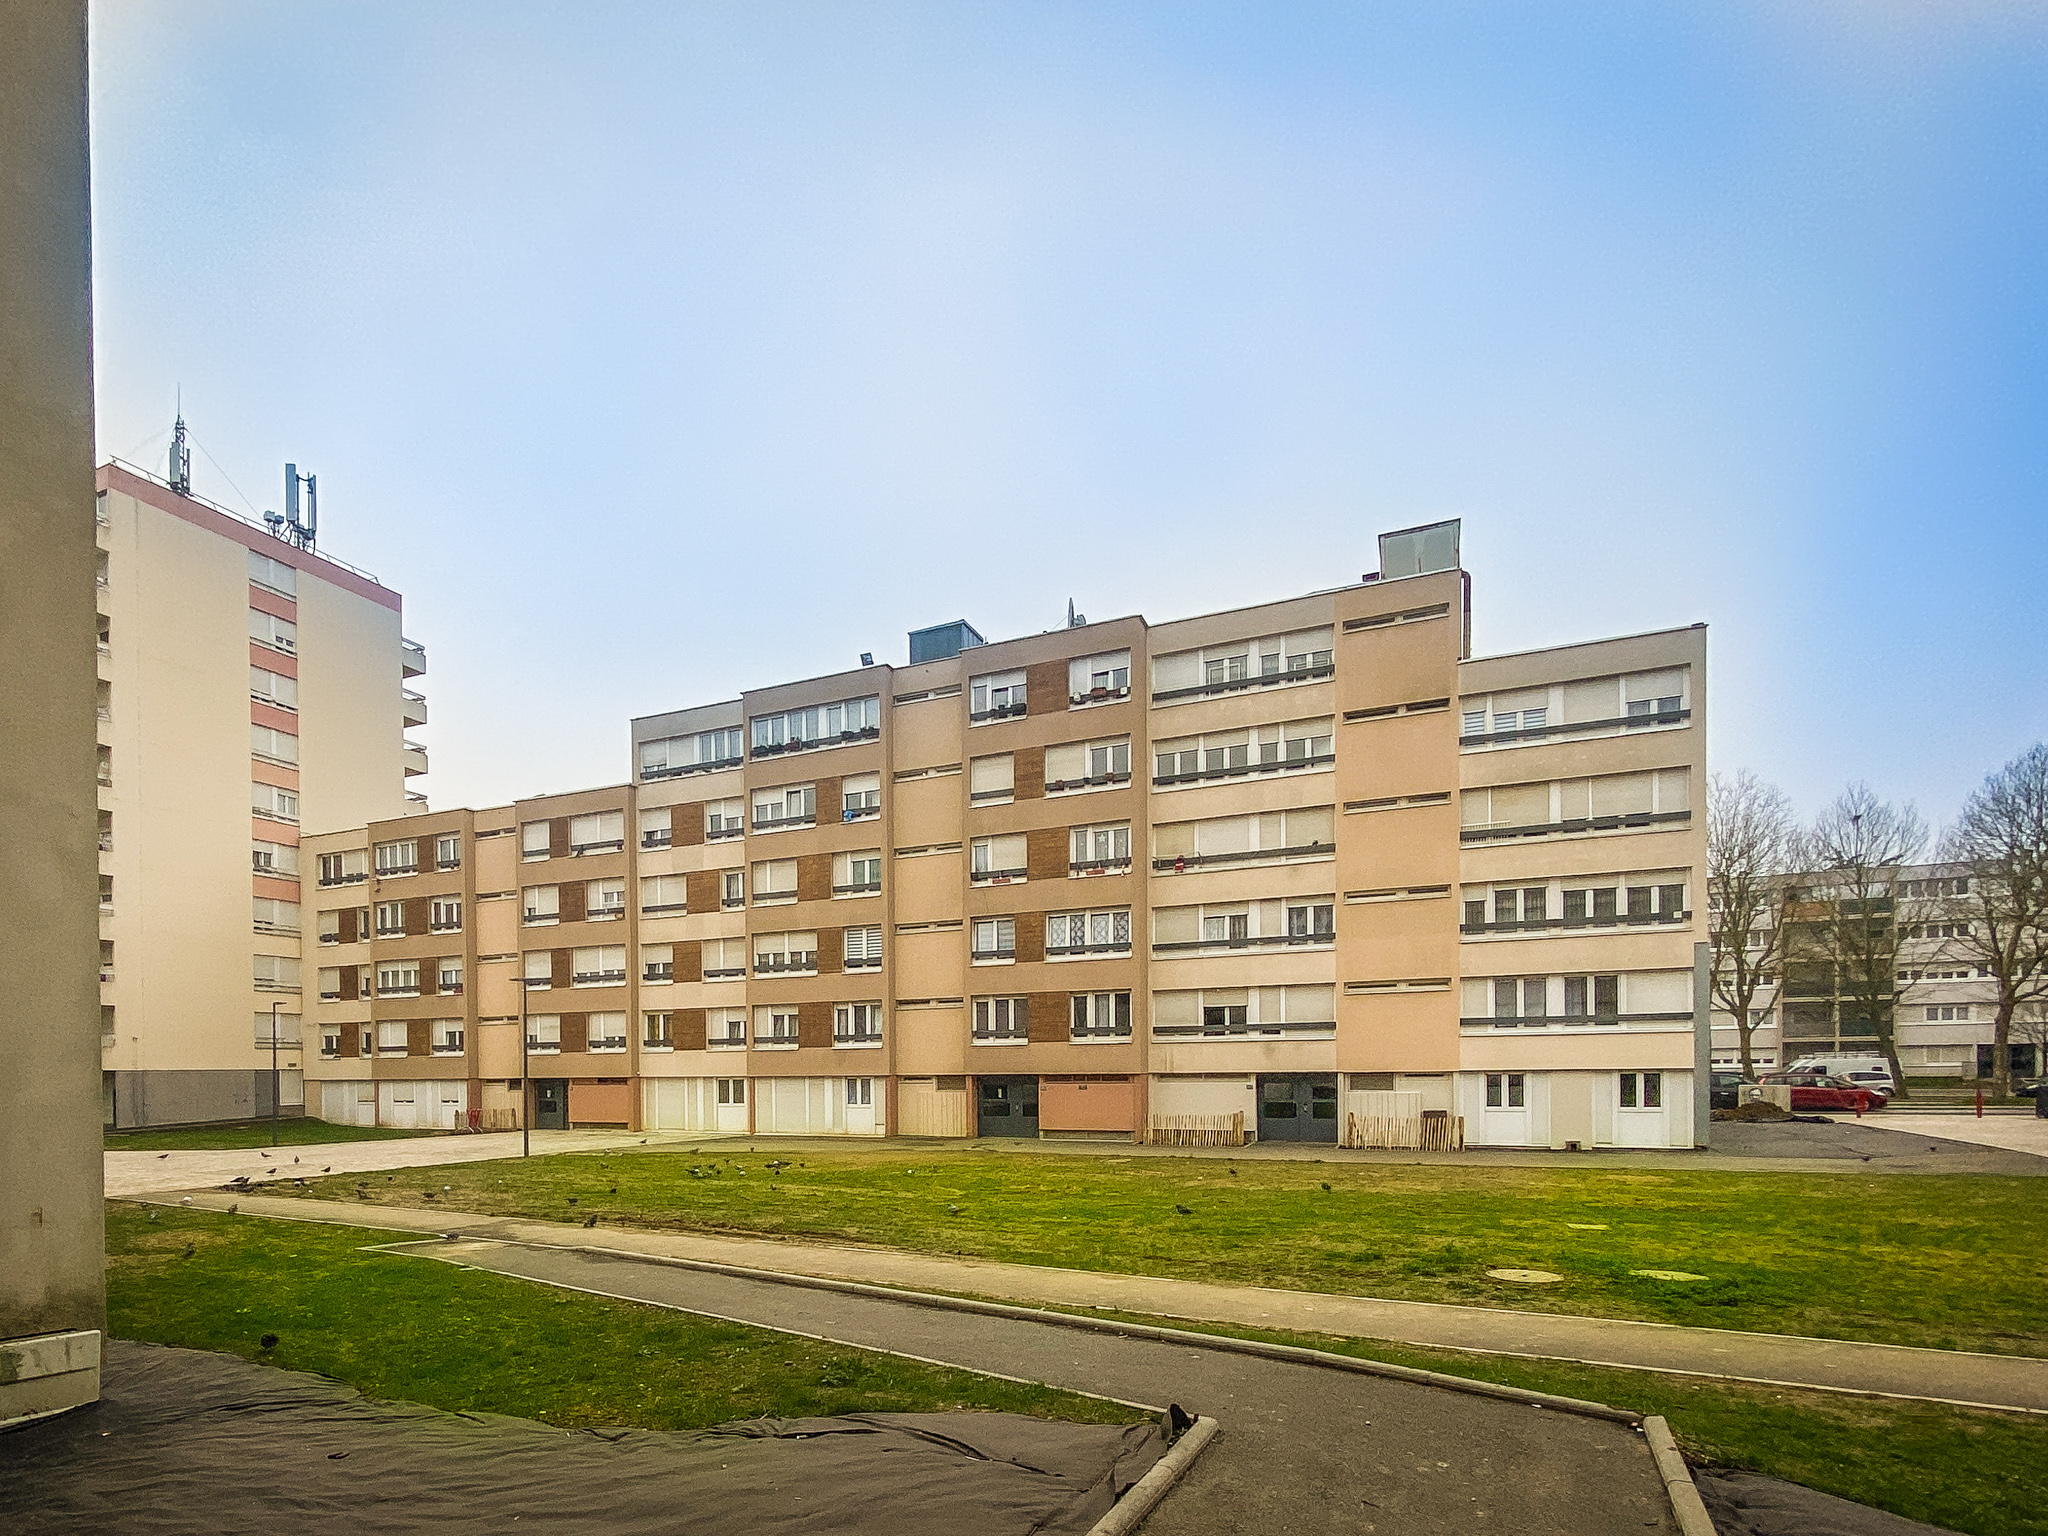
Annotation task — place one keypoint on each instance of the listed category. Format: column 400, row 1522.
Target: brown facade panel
column 561, row 967
column 686, row 1028
column 701, row 889
column 1045, row 853
column 1027, row 769
column 351, row 978
column 575, row 1032
column 430, row 976
column 1045, row 687
column 351, row 1041
column 349, row 935
column 558, row 837
column 830, row 802
column 571, row 902
column 1047, row 1022
column 831, row 951
column 686, row 826
column 814, row 1026
column 419, row 1037
column 689, row 960
column 814, row 877
column 1030, row 937
column 413, row 913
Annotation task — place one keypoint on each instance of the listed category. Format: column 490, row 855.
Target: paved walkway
column 138, row 1173
column 1303, row 1449
column 2015, row 1133
column 1999, row 1381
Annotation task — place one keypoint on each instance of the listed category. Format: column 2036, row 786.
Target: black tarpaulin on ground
column 184, row 1441
column 1748, row 1504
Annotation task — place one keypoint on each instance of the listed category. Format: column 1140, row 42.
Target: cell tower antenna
column 304, row 531
column 181, row 452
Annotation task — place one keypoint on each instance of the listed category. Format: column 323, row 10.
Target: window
column 268, row 687
column 601, row 965
column 1218, row 1012
column 448, row 851
column 1098, row 679
column 448, row 976
column 993, row 938
column 725, row 1029
column 1306, row 833
column 1088, row 933
column 1505, row 1090
column 1945, row 1012
column 604, row 900
column 657, row 963
column 1243, row 664
column 817, row 725
column 776, row 1027
column 1950, row 886
column 792, row 806
column 1100, row 850
column 991, row 780
column 1600, row 705
column 996, row 860
column 1101, row 1015
column 1255, row 749
column 732, row 887
column 703, row 752
column 534, row 840
column 654, row 828
column 860, row 796
column 1313, row 922
column 391, row 1038
column 597, row 832
column 390, row 919
column 269, row 630
column 860, row 1093
column 1087, row 765
column 995, row 696
column 544, row 1033
column 272, row 745
column 327, row 926
column 722, row 959
column 732, row 1090
column 274, row 574
column 540, row 903
column 281, row 859
column 447, row 1037
column 863, row 948
column 781, row 954
column 1575, row 805
column 857, row 874
column 330, row 1041
column 857, row 1024
column 1642, row 1090
column 606, row 1032
column 273, row 916
column 1594, row 997
column 399, row 978
column 664, row 893
column 273, row 803
column 774, row 881
column 400, row 858
column 657, row 1031
column 1001, row 1020
column 724, row 818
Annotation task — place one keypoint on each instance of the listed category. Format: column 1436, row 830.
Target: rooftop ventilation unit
column 942, row 641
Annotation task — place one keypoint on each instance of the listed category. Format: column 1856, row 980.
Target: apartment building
column 1297, row 871
column 249, row 689
column 1945, row 1005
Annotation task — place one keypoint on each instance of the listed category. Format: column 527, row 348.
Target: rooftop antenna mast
column 302, row 531
column 181, row 453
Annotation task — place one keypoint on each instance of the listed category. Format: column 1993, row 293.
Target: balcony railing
column 1577, row 728
column 603, row 914
column 1609, row 920
column 1116, row 866
column 1014, row 711
column 1248, row 941
column 1007, row 952
column 1098, row 1031
column 859, row 812
column 1576, row 824
column 1241, row 1031
column 598, row 978
column 857, row 1037
column 724, row 972
column 1100, row 695
column 609, row 1043
column 777, row 823
column 659, row 972
column 1090, row 781
column 858, row 888
column 1301, row 674
column 783, row 748
column 1244, row 770
column 608, row 845
column 661, row 839
column 1180, row 863
column 714, row 766
column 1123, row 948
column 449, row 1045
column 539, row 1047
column 720, row 834
column 347, row 877
column 995, row 876
column 862, row 963
column 656, row 908
column 804, row 961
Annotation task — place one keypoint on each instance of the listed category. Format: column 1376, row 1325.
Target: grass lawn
column 1951, row 1262
column 1964, row 1470
column 460, row 1339
column 248, row 1133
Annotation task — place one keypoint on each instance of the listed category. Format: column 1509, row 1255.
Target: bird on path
column 591, row 1222
column 572, row 1199
column 1233, row 1173
column 953, row 1210
column 161, row 1156
column 190, row 1249
column 264, row 1155
column 1326, row 1186
column 234, row 1207
column 152, row 1215
column 186, row 1201
column 268, row 1341
column 1183, row 1210
column 295, row 1159
column 328, row 1169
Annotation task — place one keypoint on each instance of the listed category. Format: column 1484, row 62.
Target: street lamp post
column 525, row 1077
column 273, row 1072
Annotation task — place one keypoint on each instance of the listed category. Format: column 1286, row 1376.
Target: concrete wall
column 51, row 1246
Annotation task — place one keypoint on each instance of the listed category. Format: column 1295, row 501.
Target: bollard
column 1980, row 1103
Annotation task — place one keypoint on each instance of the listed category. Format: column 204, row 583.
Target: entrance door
column 551, row 1103
column 1008, row 1106
column 1299, row 1106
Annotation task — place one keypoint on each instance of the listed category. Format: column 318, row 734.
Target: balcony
column 1071, row 951
column 604, row 914
column 608, row 845
column 598, row 979
column 659, row 973
column 1116, row 866
column 413, row 708
column 536, row 1046
column 415, row 758
column 1089, row 781
column 800, row 962
column 856, row 1038
column 860, row 811
column 449, row 1045
column 1014, row 711
column 992, row 956
column 858, row 888
column 607, row 1045
column 661, row 839
column 863, row 963
column 412, row 659
column 782, row 823
column 995, row 876
column 716, row 834
column 658, row 1043
column 724, row 972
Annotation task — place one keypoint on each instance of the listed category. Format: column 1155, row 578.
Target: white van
column 1872, row 1072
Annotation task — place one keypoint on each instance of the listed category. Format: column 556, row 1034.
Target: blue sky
column 657, row 351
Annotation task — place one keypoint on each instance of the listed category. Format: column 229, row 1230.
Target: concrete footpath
column 1991, row 1381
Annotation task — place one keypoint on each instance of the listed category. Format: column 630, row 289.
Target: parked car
column 1816, row 1091
column 1724, row 1090
column 1872, row 1072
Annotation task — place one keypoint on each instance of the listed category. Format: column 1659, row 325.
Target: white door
column 400, row 1105
column 366, row 1104
column 1502, row 1117
column 1641, row 1115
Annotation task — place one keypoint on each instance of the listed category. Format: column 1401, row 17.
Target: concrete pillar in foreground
column 52, row 1244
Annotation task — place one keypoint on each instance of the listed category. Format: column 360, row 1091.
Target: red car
column 1814, row 1092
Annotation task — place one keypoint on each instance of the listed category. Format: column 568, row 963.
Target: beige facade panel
column 1609, row 1050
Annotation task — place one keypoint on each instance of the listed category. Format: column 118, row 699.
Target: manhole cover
column 1665, row 1274
column 1524, row 1276
column 1587, row 1226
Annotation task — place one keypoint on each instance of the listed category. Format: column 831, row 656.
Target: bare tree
column 1752, row 839
column 2000, row 842
column 1843, row 932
